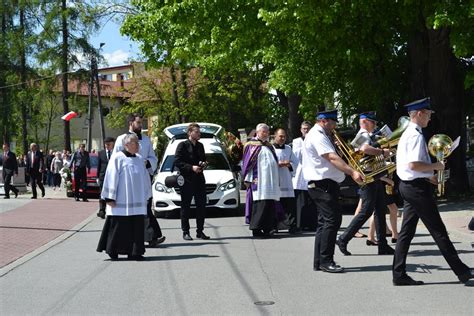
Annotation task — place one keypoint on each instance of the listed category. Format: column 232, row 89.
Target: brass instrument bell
column 439, row 146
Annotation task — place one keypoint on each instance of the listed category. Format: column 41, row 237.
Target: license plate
column 194, row 204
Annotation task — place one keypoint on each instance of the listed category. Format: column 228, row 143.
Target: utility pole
column 89, row 112
column 99, row 101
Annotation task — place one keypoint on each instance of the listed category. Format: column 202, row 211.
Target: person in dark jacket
column 104, row 157
column 79, row 163
column 190, row 159
column 35, row 169
column 10, row 167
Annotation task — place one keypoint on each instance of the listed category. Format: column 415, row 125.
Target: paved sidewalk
column 26, row 225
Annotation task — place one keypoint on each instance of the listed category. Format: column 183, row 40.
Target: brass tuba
column 371, row 167
column 439, row 146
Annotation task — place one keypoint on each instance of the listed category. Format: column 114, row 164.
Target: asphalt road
column 232, row 273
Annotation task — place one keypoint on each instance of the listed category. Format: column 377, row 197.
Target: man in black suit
column 191, row 162
column 10, row 166
column 79, row 162
column 35, row 169
column 104, row 156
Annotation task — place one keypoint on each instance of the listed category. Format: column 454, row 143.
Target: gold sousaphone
column 372, row 167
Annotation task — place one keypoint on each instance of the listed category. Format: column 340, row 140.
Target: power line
column 35, row 80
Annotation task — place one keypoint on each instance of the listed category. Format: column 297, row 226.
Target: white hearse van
column 222, row 186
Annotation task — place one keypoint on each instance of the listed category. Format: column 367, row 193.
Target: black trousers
column 36, row 178
column 189, row 190
column 419, row 203
column 306, row 211
column 80, row 178
column 373, row 197
column 7, row 180
column 289, row 205
column 325, row 196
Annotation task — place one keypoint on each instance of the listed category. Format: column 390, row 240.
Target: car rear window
column 216, row 161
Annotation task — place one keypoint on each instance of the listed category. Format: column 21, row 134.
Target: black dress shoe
column 16, row 194
column 85, row 200
column 101, row 214
column 113, row 256
column 33, row 197
column 77, row 199
column 331, row 268
column 371, row 243
column 386, row 250
column 43, row 194
column 406, row 281
column 343, row 247
column 187, row 236
column 6, row 197
column 201, row 235
column 465, row 277
column 257, row 233
column 136, row 258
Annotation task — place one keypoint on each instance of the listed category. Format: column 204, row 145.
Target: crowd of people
column 287, row 188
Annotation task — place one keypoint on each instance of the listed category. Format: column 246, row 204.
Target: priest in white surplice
column 287, row 163
column 260, row 173
column 306, row 212
column 126, row 191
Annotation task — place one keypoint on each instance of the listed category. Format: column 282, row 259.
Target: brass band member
column 415, row 170
column 372, row 194
column 324, row 170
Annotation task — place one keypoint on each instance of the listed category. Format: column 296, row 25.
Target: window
column 216, row 161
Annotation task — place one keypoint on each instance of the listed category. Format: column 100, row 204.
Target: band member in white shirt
column 324, row 170
column 416, row 172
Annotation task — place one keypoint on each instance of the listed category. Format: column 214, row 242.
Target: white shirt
column 412, row 148
column 299, row 183
column 146, row 151
column 127, row 183
column 286, row 184
column 315, row 167
column 268, row 186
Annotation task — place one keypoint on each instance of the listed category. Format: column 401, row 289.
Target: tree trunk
column 433, row 73
column 4, row 130
column 23, row 104
column 174, row 93
column 64, row 69
column 448, row 95
column 292, row 103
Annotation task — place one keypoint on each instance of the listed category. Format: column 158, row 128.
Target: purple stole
column 249, row 164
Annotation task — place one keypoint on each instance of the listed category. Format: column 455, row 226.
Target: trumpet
column 439, row 146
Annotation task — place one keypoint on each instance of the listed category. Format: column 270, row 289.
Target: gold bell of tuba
column 439, row 146
column 392, row 140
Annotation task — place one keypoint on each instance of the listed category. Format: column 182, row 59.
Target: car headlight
column 229, row 185
column 160, row 187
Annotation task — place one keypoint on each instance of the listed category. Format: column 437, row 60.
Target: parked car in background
column 222, row 183
column 92, row 188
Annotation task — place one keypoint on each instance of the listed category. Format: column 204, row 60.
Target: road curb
column 20, row 261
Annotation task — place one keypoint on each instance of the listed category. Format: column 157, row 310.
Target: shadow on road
column 192, row 244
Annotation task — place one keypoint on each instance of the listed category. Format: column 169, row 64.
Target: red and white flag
column 69, row 116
